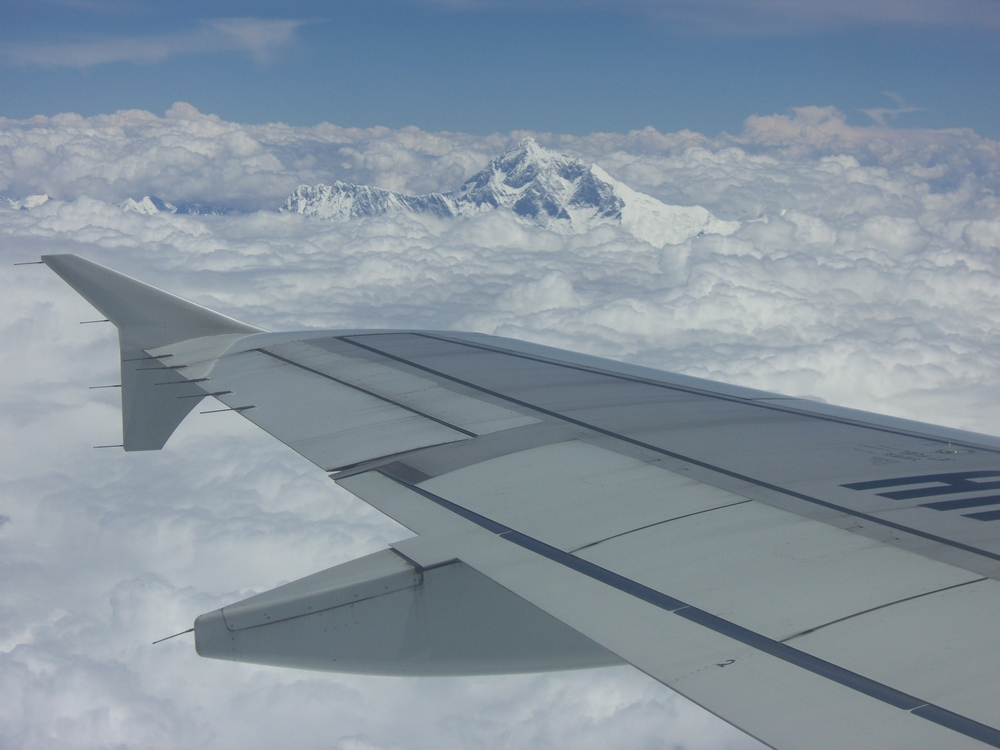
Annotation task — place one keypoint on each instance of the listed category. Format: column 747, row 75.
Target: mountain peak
column 148, row 206
column 528, row 157
column 530, row 149
column 541, row 185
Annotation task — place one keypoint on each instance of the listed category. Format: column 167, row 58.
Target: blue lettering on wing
column 942, row 485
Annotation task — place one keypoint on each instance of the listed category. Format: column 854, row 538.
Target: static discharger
column 96, row 387
column 117, row 445
column 231, row 408
column 183, row 632
column 103, row 320
column 202, row 395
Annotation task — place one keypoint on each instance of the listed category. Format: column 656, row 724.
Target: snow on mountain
column 150, row 205
column 537, row 185
column 342, row 201
column 660, row 224
column 554, row 191
column 32, row 201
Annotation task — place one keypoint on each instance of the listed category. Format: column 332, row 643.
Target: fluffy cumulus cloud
column 865, row 272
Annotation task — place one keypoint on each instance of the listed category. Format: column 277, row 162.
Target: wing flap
column 765, row 568
column 819, row 713
column 574, row 494
column 781, row 695
column 772, row 571
column 944, row 647
column 780, row 576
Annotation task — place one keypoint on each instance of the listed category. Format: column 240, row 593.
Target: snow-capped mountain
column 537, row 185
column 150, row 205
column 342, row 201
column 25, row 204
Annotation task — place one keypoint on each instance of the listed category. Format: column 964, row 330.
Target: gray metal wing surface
column 817, row 576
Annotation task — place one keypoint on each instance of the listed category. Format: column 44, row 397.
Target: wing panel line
column 759, row 403
column 368, row 392
column 693, row 461
column 656, row 523
column 865, row 685
column 882, row 606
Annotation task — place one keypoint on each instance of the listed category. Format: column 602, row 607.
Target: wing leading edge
column 814, row 575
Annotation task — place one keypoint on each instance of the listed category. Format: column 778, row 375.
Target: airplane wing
column 817, row 576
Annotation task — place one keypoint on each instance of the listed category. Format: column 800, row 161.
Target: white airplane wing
column 817, row 576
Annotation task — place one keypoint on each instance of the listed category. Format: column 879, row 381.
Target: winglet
column 146, row 318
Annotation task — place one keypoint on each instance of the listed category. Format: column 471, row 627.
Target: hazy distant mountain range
column 153, row 205
column 538, row 185
column 25, row 204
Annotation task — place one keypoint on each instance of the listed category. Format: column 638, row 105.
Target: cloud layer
column 865, row 273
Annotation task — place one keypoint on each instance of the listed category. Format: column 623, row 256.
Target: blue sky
column 484, row 66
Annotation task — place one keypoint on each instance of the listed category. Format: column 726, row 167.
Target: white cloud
column 881, row 115
column 865, row 273
column 261, row 37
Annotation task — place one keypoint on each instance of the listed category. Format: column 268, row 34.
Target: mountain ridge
column 538, row 185
column 25, row 204
column 150, row 204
